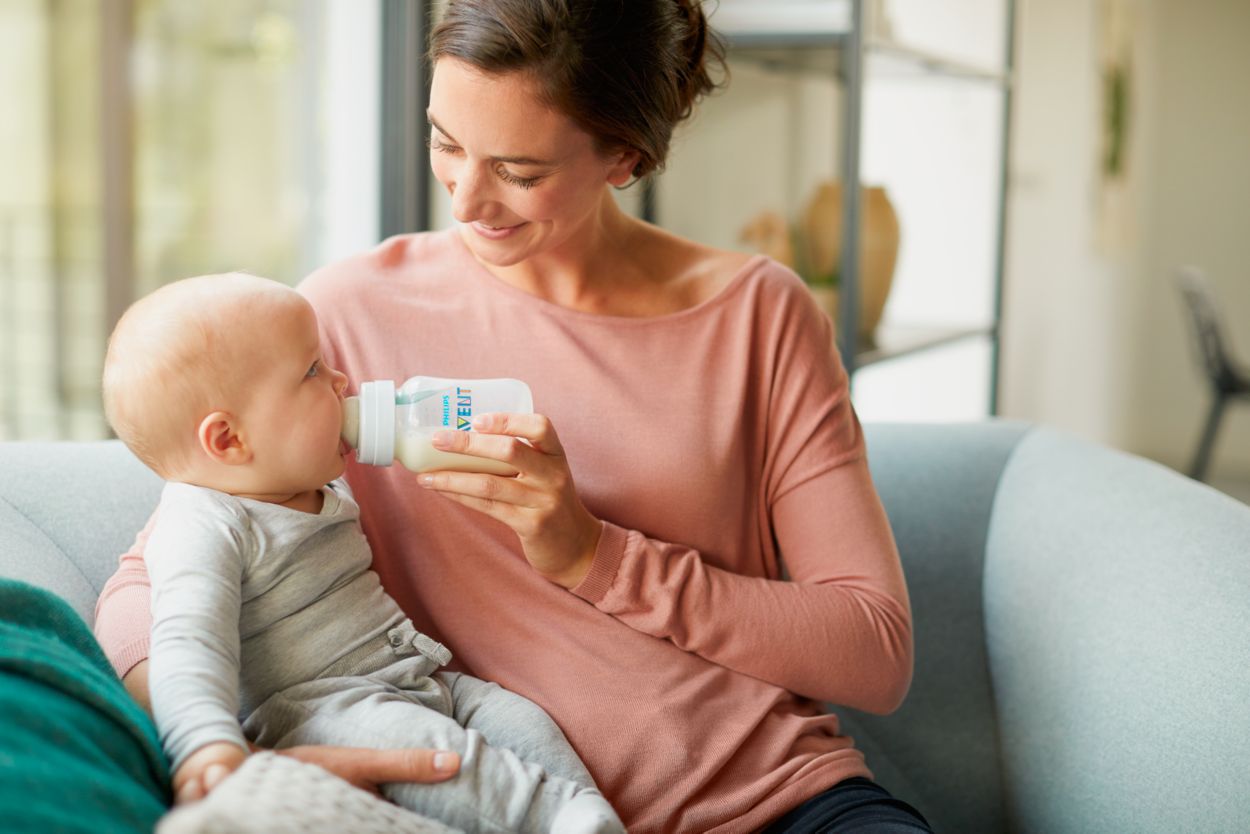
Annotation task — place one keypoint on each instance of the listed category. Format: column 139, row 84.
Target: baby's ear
column 219, row 439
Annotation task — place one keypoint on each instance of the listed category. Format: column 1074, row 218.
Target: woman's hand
column 363, row 767
column 558, row 534
column 368, row 769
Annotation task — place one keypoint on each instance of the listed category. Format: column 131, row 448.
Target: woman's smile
column 495, row 232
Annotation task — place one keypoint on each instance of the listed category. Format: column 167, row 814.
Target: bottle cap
column 377, row 423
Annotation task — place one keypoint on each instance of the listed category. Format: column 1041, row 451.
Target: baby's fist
column 205, row 769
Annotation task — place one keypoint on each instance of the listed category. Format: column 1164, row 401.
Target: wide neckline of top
column 488, row 279
column 331, row 501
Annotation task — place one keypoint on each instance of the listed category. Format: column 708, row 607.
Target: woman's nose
column 469, row 194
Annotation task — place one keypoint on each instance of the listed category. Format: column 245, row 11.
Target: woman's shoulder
column 703, row 272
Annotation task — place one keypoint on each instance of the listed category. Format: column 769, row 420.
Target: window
column 151, row 140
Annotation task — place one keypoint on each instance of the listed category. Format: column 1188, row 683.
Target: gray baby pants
column 518, row 773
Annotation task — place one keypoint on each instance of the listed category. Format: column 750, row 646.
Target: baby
column 268, row 623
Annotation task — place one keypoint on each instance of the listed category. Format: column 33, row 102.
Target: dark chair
column 1228, row 379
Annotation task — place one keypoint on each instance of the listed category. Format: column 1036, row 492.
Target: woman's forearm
column 123, row 615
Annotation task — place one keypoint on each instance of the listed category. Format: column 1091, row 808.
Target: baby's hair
column 168, row 362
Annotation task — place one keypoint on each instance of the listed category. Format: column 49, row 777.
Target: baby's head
column 218, row 381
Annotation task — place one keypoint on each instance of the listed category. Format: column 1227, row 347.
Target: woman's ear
column 219, row 439
column 622, row 171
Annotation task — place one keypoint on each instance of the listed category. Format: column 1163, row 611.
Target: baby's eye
column 312, row 369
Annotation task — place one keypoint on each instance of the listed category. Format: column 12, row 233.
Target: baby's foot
column 587, row 813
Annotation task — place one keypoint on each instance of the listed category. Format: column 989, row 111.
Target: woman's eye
column 503, row 173
column 513, row 179
column 436, row 145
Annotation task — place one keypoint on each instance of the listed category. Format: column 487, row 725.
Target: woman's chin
column 499, row 256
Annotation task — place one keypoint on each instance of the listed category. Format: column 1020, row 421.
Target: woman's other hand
column 369, row 769
column 540, row 503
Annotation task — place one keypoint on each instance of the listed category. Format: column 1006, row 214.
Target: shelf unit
column 830, row 39
column 827, row 38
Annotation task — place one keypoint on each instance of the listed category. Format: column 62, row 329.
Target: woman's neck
column 596, row 264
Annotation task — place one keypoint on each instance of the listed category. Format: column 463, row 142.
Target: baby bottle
column 384, row 424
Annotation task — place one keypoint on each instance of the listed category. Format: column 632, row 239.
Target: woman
column 700, row 404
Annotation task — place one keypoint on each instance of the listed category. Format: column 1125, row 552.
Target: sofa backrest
column 67, row 511
column 939, row 751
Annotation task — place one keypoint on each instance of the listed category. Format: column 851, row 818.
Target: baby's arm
column 195, row 558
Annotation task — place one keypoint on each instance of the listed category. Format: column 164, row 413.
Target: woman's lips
column 495, row 232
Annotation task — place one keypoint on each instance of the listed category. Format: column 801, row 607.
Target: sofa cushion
column 76, row 753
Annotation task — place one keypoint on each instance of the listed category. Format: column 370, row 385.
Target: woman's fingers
column 535, row 428
column 366, row 768
column 499, row 447
column 540, row 503
column 484, row 490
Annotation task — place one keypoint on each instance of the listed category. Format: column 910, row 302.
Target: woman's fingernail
column 481, row 421
column 425, row 480
column 444, row 762
column 441, row 440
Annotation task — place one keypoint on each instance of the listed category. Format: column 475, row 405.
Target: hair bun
column 697, row 37
column 700, row 39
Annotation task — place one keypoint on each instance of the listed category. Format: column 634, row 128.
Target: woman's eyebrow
column 515, row 160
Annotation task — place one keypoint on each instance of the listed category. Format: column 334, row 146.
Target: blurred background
column 1032, row 177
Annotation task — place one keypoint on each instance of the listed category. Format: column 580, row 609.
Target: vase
column 820, row 228
column 768, row 233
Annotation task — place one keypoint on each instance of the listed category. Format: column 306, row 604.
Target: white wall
column 1094, row 339
column 1067, row 310
column 1201, row 215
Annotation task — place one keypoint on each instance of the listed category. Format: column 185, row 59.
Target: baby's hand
column 204, row 769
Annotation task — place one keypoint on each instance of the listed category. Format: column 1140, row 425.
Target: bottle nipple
column 351, row 422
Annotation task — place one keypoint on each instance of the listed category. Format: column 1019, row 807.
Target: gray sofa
column 1082, row 621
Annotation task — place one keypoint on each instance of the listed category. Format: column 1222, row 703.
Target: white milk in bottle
column 384, row 423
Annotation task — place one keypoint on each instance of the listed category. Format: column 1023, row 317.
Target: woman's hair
column 626, row 71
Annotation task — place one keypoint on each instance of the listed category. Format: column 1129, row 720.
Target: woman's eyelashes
column 500, row 171
column 513, row 179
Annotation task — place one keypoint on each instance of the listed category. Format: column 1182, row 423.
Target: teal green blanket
column 76, row 753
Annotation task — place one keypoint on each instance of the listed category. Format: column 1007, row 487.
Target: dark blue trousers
column 859, row 805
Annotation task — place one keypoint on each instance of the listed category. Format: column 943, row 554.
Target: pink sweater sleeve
column 839, row 631
column 123, row 616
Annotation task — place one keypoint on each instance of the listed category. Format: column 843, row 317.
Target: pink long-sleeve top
column 687, row 670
